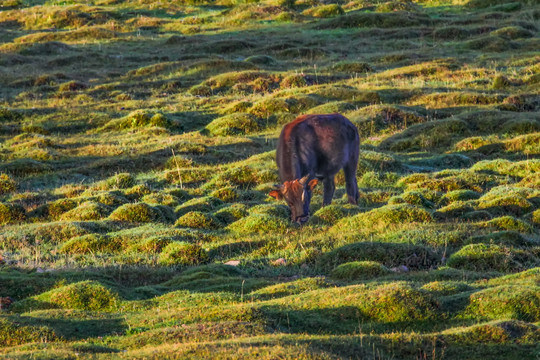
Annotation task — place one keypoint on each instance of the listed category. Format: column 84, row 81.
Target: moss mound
column 445, row 288
column 10, row 213
column 138, row 212
column 119, row 181
column 234, row 124
column 91, row 243
column 89, row 210
column 332, row 213
column 359, row 270
column 138, row 119
column 182, row 253
column 324, row 11
column 383, row 218
column 259, row 223
column 491, row 257
column 276, row 210
column 507, row 301
column 230, row 214
column 389, row 254
column 198, row 220
column 7, row 184
column 204, row 204
column 12, row 334
column 84, row 295
column 510, row 223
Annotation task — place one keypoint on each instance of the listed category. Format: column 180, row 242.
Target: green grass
column 137, row 151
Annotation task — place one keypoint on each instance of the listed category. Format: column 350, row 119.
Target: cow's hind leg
column 350, row 182
column 329, row 188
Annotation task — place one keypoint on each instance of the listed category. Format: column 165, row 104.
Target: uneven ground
column 137, row 144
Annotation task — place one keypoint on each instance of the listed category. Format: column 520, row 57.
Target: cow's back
column 315, row 144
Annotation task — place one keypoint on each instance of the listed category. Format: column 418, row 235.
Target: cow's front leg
column 329, row 188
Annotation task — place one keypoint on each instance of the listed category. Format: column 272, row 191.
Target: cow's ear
column 313, row 183
column 276, row 194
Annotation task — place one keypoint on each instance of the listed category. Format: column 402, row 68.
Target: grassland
column 137, row 144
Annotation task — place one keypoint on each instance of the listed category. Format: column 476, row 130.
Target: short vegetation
column 137, row 151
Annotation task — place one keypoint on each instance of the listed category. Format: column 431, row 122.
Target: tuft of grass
column 359, row 270
column 505, row 301
column 234, row 124
column 198, row 220
column 7, row 184
column 84, row 295
column 12, row 334
column 138, row 212
column 10, row 213
column 383, row 218
column 259, row 223
column 491, row 257
column 182, row 253
column 88, row 210
column 91, row 243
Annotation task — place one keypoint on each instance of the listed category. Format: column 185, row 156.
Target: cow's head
column 297, row 194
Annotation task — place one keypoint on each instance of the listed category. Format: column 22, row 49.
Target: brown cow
column 313, row 148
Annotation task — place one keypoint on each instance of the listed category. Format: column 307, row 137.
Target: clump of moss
column 91, row 243
column 510, row 223
column 491, row 43
column 512, row 32
column 324, row 11
column 271, row 209
column 120, row 181
column 204, row 204
column 332, row 213
column 293, row 81
column 459, row 195
column 396, row 302
column 359, row 270
column 413, row 198
column 182, row 253
column 389, row 254
column 234, row 124
column 535, row 218
column 12, row 334
column 454, row 209
column 138, row 212
column 397, row 5
column 502, row 205
column 137, row 191
column 10, row 213
column 383, row 218
column 521, row 126
column 259, row 223
column 500, row 82
column 138, row 119
column 504, row 238
column 491, row 257
column 151, row 245
column 227, row 194
column 445, row 288
column 261, row 60
column 507, row 301
column 231, row 213
column 198, row 220
column 7, row 184
column 84, row 295
column 88, row 210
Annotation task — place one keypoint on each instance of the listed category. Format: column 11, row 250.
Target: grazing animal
column 313, row 148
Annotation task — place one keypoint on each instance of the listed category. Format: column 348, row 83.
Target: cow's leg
column 329, row 188
column 350, row 178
